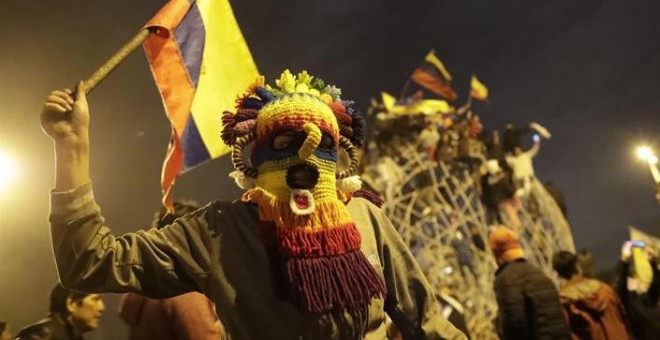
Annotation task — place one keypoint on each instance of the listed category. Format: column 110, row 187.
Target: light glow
column 8, row 170
column 645, row 153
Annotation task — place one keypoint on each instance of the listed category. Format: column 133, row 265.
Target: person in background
column 429, row 138
column 592, row 308
column 527, row 299
column 585, row 260
column 498, row 193
column 521, row 164
column 512, row 135
column 71, row 314
column 189, row 316
column 640, row 300
column 5, row 332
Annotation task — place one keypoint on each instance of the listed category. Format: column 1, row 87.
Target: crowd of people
column 500, row 167
column 306, row 254
column 530, row 305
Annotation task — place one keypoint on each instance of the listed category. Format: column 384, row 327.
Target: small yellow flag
column 478, row 90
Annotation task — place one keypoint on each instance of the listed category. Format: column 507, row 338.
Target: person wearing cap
column 301, row 256
column 528, row 302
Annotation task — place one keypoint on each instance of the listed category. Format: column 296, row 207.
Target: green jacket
column 217, row 251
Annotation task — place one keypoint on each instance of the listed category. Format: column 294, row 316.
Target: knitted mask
column 296, row 132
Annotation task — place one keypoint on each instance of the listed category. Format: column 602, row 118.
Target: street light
column 8, row 170
column 646, row 154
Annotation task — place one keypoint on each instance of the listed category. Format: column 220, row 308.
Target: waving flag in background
column 200, row 63
column 478, row 90
column 433, row 75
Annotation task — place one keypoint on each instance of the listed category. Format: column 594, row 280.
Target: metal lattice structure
column 437, row 210
column 545, row 230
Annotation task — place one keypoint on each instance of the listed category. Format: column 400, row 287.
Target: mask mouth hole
column 302, row 202
column 302, row 176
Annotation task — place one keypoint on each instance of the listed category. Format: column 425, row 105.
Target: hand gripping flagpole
column 90, row 83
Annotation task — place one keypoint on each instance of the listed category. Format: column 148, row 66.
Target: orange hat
column 505, row 244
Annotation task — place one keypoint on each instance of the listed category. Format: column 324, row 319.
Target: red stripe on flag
column 172, row 79
column 171, row 169
column 169, row 17
column 174, row 84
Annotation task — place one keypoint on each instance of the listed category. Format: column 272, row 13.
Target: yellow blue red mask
column 294, row 133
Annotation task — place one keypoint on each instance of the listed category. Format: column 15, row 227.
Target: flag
column 478, row 90
column 433, row 75
column 642, row 268
column 200, row 63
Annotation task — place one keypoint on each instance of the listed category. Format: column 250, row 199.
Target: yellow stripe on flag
column 433, row 60
column 478, row 90
column 388, row 100
column 227, row 70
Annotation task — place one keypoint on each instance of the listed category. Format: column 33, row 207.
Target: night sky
column 587, row 70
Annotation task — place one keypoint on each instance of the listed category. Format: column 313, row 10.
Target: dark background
column 587, row 70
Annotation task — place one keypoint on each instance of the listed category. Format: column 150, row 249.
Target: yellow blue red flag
column 200, row 62
column 432, row 75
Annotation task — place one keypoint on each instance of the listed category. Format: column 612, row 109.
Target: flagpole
column 405, row 88
column 90, row 83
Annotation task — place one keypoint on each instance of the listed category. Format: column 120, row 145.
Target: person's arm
column 156, row 263
column 193, row 318
column 622, row 268
column 534, row 150
column 410, row 301
column 67, row 123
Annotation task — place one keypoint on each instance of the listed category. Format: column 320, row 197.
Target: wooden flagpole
column 90, row 83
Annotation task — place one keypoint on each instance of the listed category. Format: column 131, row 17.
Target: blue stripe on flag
column 190, row 37
column 194, row 149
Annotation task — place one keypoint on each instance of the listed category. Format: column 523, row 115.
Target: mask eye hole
column 283, row 140
column 327, row 143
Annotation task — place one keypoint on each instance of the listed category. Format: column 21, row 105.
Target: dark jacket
column 53, row 327
column 218, row 251
column 642, row 308
column 528, row 304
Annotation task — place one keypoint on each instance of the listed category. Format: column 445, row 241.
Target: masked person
column 71, row 314
column 297, row 258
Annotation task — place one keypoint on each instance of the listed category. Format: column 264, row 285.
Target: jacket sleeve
column 410, row 301
column 155, row 263
column 545, row 316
